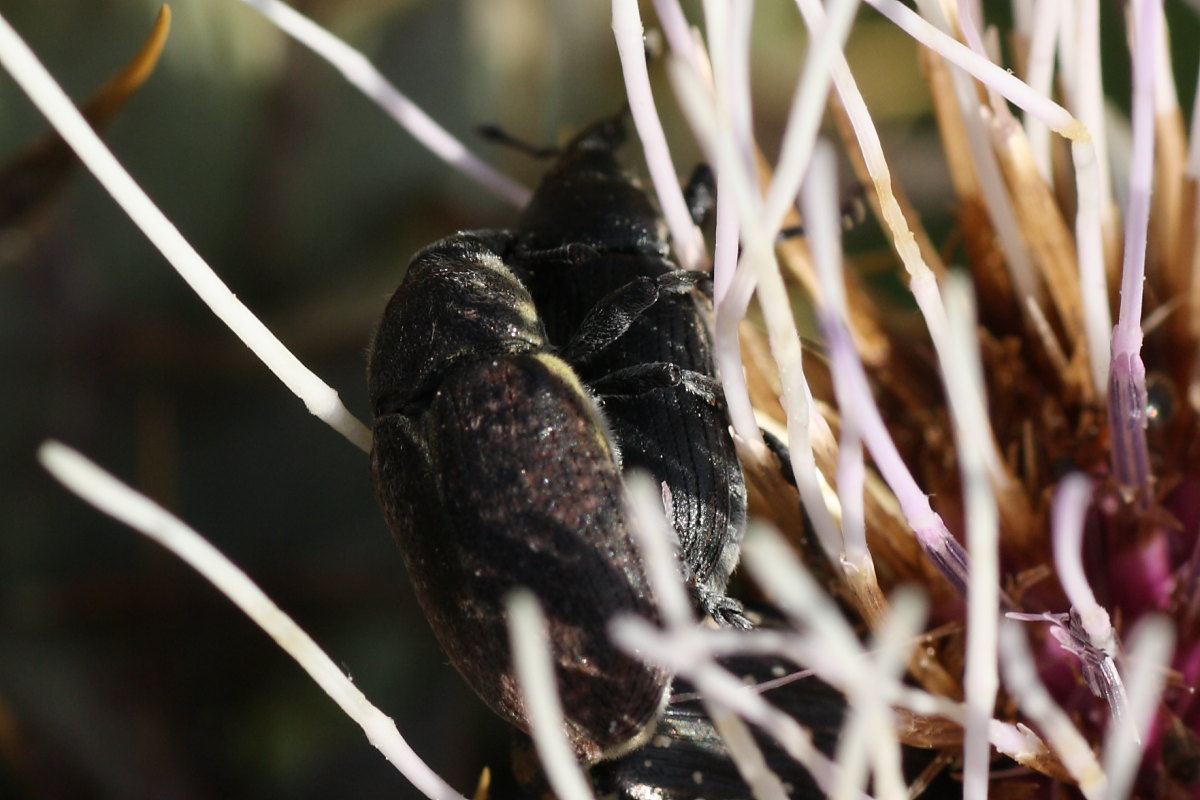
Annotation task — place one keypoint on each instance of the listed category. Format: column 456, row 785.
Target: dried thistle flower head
column 1022, row 459
column 994, row 408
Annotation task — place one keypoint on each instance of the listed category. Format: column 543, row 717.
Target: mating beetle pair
column 513, row 376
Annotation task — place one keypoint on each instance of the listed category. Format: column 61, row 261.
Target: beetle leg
column 724, row 610
column 644, row 378
column 610, row 318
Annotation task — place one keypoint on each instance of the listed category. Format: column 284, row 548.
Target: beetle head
column 586, row 198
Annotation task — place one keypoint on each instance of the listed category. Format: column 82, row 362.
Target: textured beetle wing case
column 590, row 230
column 510, row 483
column 686, row 759
column 680, row 438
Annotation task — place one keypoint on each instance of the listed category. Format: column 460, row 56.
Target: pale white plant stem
column 114, row 498
column 695, row 98
column 1150, row 648
column 1094, row 216
column 1089, row 247
column 856, row 396
column 823, row 229
column 922, row 282
column 830, row 662
column 1088, row 232
column 963, row 377
column 1068, row 44
column 740, row 95
column 870, row 683
column 758, row 265
column 727, row 317
column 688, row 656
column 677, row 30
column 1166, row 93
column 995, row 76
column 534, row 666
column 1085, row 89
column 763, row 782
column 1081, row 76
column 867, row 736
column 827, row 37
column 655, row 539
column 321, row 400
column 979, row 121
column 1020, row 677
column 728, row 307
column 1127, row 372
column 927, row 525
column 728, row 27
column 685, row 235
column 1146, row 16
column 360, row 73
column 1069, row 513
column 726, row 228
column 1042, row 35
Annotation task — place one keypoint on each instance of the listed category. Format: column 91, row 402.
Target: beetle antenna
column 494, row 133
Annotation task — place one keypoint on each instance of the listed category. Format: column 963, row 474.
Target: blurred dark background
column 123, row 674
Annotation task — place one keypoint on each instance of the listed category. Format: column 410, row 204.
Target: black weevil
column 592, row 250
column 495, row 470
column 686, row 758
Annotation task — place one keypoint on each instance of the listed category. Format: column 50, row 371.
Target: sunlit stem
column 654, row 539
column 758, row 267
column 755, row 771
column 534, row 666
column 869, row 681
column 119, row 501
column 1042, row 32
column 362, row 75
column 688, row 657
column 1088, row 233
column 964, row 387
column 729, row 303
column 827, row 37
column 728, row 25
column 1069, row 512
column 979, row 125
column 1127, row 378
column 320, row 399
column 995, row 76
column 824, row 237
column 627, row 28
column 1150, row 647
column 678, row 32
column 1020, row 676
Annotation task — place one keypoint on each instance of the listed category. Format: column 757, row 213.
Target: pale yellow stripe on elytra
column 529, row 314
column 561, row 370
